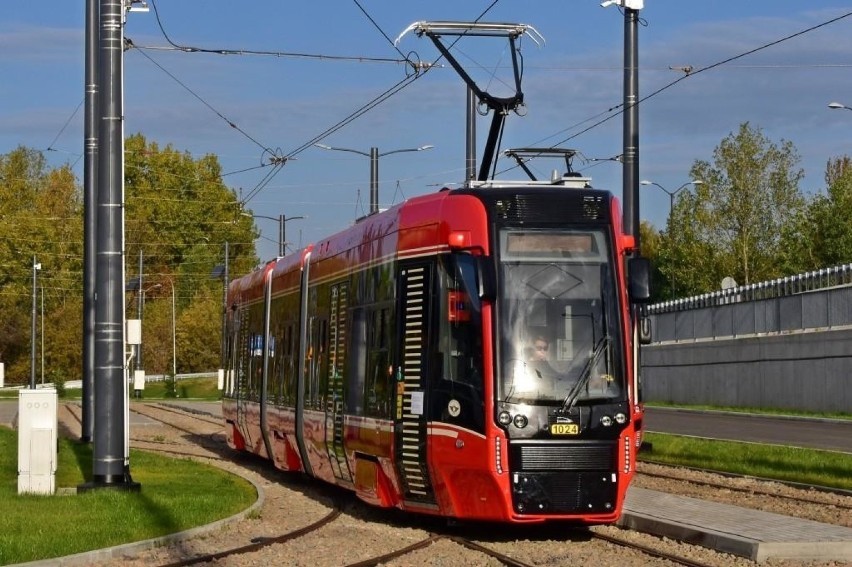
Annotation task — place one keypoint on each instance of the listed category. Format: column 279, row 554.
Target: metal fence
column 815, row 300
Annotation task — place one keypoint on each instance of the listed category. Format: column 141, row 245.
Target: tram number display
column 564, row 429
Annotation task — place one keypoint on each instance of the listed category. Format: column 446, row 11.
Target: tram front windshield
column 558, row 318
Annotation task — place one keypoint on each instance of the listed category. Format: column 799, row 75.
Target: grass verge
column 204, row 388
column 176, row 494
column 760, row 411
column 791, row 464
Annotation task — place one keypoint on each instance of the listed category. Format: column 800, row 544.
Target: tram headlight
column 520, row 421
column 606, row 421
column 620, row 418
column 504, row 418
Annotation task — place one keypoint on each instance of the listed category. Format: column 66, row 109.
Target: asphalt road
column 834, row 435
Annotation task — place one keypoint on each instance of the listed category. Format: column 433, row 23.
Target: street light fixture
column 374, row 156
column 282, row 223
column 671, row 195
column 837, row 105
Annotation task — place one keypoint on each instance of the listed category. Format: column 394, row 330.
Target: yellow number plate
column 564, row 429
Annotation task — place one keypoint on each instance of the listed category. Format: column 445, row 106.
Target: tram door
column 410, row 419
column 337, row 328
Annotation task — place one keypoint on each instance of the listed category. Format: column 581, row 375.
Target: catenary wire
column 620, row 108
column 220, row 51
column 708, row 68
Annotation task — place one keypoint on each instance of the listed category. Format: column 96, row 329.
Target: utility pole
column 36, row 268
column 140, row 306
column 470, row 138
column 110, row 461
column 90, row 195
column 631, row 117
column 630, row 153
column 225, row 277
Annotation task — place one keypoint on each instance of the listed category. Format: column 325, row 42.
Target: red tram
column 396, row 358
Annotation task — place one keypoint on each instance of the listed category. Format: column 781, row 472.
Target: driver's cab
column 558, row 287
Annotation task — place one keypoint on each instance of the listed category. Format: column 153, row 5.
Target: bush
column 171, row 387
column 58, row 377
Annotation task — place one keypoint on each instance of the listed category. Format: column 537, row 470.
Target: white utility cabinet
column 37, row 438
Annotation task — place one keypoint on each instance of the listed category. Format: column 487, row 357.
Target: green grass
column 204, row 388
column 792, row 464
column 176, row 494
column 763, row 411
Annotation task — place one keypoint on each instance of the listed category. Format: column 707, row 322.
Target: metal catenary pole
column 90, row 188
column 110, row 464
column 630, row 154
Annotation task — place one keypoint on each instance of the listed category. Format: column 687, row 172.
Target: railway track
column 819, row 498
column 403, row 540
column 201, row 430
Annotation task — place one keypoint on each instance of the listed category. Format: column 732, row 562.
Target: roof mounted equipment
column 500, row 105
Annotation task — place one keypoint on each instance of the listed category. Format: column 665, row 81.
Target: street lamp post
column 671, row 195
column 174, row 336
column 36, row 268
column 221, row 271
column 140, row 316
column 282, row 223
column 838, row 106
column 374, row 156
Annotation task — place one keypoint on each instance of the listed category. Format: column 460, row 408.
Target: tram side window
column 255, row 354
column 255, row 366
column 357, row 362
column 273, row 378
column 457, row 376
column 379, row 369
column 316, row 358
column 287, row 364
column 321, row 365
column 461, row 336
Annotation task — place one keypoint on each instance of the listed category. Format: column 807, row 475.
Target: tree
column 830, row 216
column 42, row 214
column 178, row 212
column 650, row 240
column 738, row 221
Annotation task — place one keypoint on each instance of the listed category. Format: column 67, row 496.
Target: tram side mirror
column 639, row 279
column 486, row 278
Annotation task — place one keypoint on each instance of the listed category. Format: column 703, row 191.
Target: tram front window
column 558, row 318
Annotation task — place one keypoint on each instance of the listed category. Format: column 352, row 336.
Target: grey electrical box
column 37, row 438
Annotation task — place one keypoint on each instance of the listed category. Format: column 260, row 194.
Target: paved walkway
column 745, row 532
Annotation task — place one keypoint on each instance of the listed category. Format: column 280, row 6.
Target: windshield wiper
column 585, row 375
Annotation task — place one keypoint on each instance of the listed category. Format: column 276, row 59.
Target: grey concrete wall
column 810, row 370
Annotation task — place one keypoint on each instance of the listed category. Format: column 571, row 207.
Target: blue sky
column 284, row 102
